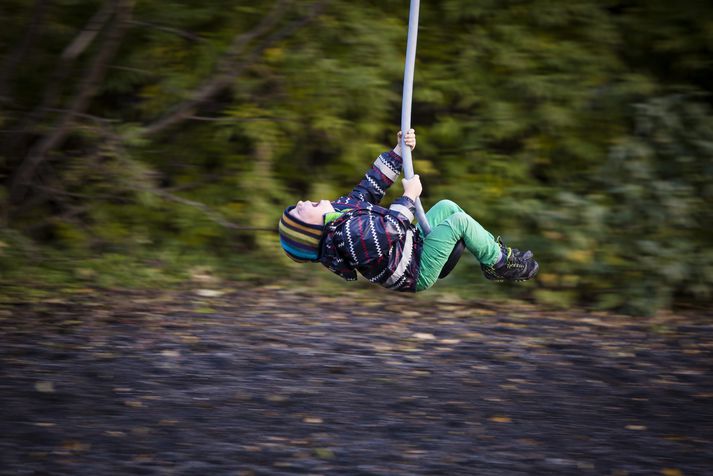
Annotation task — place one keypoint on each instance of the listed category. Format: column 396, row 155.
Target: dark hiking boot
column 514, row 265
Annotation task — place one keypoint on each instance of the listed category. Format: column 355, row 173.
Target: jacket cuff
column 396, row 158
column 385, row 164
column 405, row 207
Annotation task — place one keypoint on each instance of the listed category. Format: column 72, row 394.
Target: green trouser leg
column 449, row 223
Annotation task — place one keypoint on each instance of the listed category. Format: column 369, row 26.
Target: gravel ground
column 265, row 381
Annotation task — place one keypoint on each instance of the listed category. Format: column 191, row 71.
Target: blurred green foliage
column 581, row 129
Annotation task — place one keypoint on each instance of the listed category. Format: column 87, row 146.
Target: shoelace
column 512, row 259
column 516, row 260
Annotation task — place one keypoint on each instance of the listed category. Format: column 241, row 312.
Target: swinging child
column 354, row 233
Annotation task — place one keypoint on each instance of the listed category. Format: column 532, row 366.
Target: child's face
column 312, row 212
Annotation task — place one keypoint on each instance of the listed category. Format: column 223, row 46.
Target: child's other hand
column 410, row 139
column 412, row 187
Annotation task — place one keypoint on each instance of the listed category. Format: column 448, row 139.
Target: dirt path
column 268, row 382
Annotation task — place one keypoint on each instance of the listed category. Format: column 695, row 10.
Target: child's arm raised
column 383, row 172
column 405, row 205
column 410, row 141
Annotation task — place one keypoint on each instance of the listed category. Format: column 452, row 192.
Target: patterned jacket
column 381, row 243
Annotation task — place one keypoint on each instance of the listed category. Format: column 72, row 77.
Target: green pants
column 449, row 223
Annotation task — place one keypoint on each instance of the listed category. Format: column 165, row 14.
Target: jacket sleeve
column 403, row 208
column 347, row 274
column 333, row 257
column 342, row 271
column 385, row 169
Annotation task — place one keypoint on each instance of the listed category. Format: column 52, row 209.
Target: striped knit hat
column 300, row 240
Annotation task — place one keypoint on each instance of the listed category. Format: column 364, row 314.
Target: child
column 354, row 233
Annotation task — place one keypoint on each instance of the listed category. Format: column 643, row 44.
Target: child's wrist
column 411, row 196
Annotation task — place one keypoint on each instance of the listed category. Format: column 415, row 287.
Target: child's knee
column 449, row 205
column 460, row 219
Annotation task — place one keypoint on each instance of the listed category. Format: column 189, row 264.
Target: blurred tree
column 183, row 128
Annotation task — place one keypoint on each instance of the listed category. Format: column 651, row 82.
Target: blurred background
column 145, row 143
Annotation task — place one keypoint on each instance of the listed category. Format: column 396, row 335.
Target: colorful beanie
column 300, row 240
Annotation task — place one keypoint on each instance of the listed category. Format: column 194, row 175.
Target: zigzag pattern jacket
column 381, row 243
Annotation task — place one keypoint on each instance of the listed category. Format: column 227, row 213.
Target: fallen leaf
column 209, row 293
column 450, row 341
column 324, row 453
column 423, row 336
column 44, row 387
column 407, row 313
column 501, row 419
column 76, row 446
